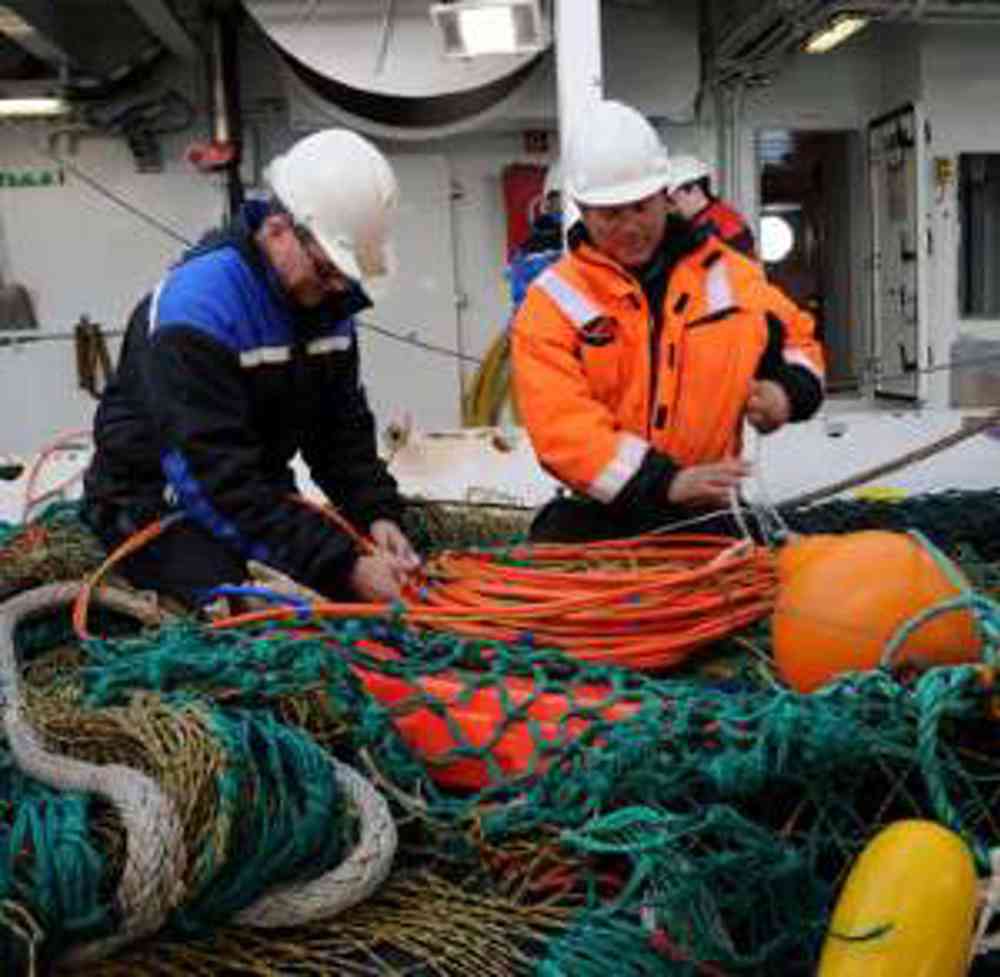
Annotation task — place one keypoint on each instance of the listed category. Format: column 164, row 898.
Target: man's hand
column 709, row 484
column 390, row 539
column 381, row 576
column 377, row 577
column 768, row 406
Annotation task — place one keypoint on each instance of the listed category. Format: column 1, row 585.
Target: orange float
column 842, row 600
column 478, row 716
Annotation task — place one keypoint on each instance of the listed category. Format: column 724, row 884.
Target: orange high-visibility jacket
column 598, row 385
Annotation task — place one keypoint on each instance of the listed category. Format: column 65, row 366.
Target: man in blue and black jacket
column 244, row 355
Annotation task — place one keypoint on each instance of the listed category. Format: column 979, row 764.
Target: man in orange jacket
column 638, row 355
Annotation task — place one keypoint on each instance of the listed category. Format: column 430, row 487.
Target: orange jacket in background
column 727, row 224
column 601, row 390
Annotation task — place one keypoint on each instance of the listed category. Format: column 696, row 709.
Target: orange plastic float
column 842, row 599
column 479, row 717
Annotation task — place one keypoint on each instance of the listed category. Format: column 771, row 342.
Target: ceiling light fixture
column 471, row 28
column 836, row 32
column 33, row 108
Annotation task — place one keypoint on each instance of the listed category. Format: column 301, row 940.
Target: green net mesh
column 703, row 830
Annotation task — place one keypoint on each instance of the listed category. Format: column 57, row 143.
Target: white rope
column 737, row 514
column 25, row 927
column 983, row 943
column 769, row 518
column 351, row 882
column 152, row 880
column 773, row 527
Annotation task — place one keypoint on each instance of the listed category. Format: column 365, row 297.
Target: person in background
column 690, row 190
column 544, row 244
column 638, row 355
column 243, row 355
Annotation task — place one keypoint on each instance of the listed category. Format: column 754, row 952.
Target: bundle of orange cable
column 645, row 602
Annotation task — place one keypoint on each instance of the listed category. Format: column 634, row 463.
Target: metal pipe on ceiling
column 161, row 22
column 32, row 40
column 749, row 27
column 775, row 25
column 756, row 45
column 924, row 10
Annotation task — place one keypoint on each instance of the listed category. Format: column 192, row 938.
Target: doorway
column 812, row 227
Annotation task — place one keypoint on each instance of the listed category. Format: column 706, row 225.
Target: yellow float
column 841, row 599
column 907, row 909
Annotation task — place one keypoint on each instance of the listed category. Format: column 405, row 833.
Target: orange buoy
column 841, row 599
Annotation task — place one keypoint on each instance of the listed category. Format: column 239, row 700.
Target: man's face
column 628, row 233
column 688, row 200
column 307, row 275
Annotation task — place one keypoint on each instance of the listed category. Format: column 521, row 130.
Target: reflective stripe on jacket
column 594, row 394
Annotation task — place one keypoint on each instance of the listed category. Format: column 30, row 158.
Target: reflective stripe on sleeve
column 616, row 474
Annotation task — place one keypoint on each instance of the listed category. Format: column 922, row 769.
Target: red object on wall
column 210, row 156
column 522, row 194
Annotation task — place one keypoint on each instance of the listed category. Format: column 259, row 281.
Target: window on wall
column 979, row 254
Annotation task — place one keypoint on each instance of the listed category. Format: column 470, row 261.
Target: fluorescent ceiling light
column 476, row 27
column 33, row 107
column 488, row 30
column 836, row 32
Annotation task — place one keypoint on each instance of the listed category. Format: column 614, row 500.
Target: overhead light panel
column 33, row 108
column 471, row 28
column 836, row 32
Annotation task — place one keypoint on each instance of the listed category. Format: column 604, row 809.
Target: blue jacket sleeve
column 212, row 461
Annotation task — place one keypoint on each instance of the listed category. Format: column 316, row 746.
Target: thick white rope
column 983, row 943
column 351, row 882
column 152, row 877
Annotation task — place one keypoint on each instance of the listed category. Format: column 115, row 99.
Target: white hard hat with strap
column 686, row 169
column 342, row 190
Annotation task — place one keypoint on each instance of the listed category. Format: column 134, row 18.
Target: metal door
column 899, row 344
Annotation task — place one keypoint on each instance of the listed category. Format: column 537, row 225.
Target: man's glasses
column 325, row 269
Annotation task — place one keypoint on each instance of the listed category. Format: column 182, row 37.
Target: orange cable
column 647, row 601
column 332, row 515
column 81, row 605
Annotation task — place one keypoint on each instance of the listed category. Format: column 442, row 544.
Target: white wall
column 477, row 164
column 408, row 380
column 900, row 57
column 79, row 253
column 961, row 71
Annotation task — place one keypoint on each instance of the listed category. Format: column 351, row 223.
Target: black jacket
column 220, row 382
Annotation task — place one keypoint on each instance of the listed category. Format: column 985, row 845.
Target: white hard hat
column 339, row 187
column 686, row 169
column 615, row 157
